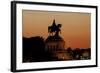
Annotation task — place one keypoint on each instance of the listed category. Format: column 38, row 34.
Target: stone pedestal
column 56, row 46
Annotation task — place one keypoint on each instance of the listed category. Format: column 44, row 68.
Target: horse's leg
column 60, row 31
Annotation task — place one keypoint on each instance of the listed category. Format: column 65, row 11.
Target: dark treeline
column 34, row 51
column 79, row 53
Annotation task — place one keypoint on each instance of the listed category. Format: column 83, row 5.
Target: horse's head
column 59, row 25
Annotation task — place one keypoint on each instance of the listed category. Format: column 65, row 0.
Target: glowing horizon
column 76, row 27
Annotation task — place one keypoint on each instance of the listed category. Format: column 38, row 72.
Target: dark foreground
column 34, row 51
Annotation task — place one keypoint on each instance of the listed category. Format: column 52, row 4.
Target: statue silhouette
column 58, row 30
column 54, row 29
column 51, row 29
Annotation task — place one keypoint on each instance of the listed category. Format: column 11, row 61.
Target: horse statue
column 58, row 29
column 54, row 29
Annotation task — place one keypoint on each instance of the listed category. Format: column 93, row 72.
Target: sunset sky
column 75, row 30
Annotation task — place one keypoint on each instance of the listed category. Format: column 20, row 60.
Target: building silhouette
column 55, row 44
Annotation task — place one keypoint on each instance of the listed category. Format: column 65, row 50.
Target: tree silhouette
column 34, row 50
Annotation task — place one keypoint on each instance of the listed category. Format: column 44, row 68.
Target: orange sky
column 75, row 26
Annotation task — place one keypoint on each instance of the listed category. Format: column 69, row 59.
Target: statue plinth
column 55, row 43
column 56, row 46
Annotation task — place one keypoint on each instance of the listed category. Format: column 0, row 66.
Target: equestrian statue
column 54, row 29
